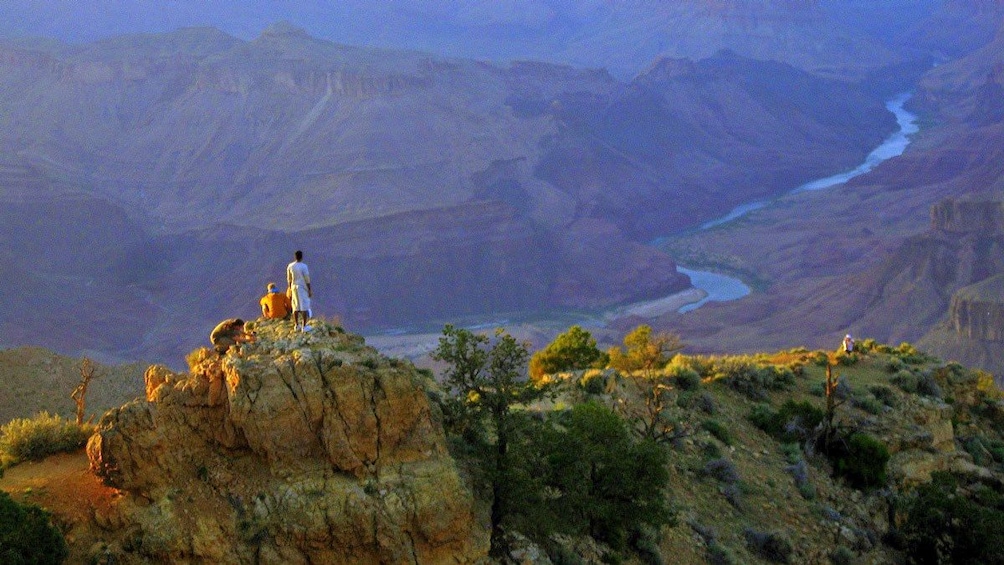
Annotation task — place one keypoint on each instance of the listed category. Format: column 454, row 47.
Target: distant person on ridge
column 228, row 333
column 275, row 305
column 298, row 279
column 848, row 344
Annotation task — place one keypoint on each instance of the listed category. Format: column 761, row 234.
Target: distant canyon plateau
column 151, row 184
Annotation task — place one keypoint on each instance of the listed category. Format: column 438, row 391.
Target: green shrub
column 646, row 546
column 894, row 365
column 773, row 547
column 722, row 470
column 909, row 354
column 884, row 394
column 792, row 423
column 590, row 477
column 847, row 359
column 807, row 491
column 27, row 535
column 686, row 400
column 948, row 521
column 818, row 389
column 718, row 554
column 703, row 365
column 761, row 416
column 31, row 439
column 868, row 345
column 868, row 403
column 710, row 450
column 753, row 379
column 820, row 358
column 928, row 385
column 985, row 451
column 571, row 351
column 684, row 378
column 905, row 380
column 841, row 556
column 861, row 460
column 717, row 429
column 706, row 403
column 953, row 373
column 792, row 452
column 593, row 384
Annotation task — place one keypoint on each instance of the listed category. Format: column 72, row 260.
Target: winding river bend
column 722, row 288
column 413, row 342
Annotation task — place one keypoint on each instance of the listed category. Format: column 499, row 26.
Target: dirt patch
column 64, row 485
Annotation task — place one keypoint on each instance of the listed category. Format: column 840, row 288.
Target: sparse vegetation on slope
column 757, row 482
column 797, row 456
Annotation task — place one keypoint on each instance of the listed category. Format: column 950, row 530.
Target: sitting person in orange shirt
column 275, row 305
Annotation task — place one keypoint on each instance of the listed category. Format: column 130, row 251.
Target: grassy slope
column 768, row 499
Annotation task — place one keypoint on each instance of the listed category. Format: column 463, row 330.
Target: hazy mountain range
column 842, row 36
column 152, row 183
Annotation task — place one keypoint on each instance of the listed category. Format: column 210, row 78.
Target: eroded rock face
column 299, row 448
column 984, row 217
column 977, row 311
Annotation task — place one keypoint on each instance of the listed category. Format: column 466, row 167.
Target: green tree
column 573, row 350
column 599, row 481
column 644, row 351
column 950, row 521
column 27, row 535
column 489, row 376
column 642, row 358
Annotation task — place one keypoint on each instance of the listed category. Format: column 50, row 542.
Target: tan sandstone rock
column 298, row 448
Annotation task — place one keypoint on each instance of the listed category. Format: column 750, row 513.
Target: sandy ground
column 64, row 485
column 657, row 307
column 416, row 346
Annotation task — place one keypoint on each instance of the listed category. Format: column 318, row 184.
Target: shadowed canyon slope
column 153, row 184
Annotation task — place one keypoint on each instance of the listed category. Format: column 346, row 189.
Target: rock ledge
column 298, row 448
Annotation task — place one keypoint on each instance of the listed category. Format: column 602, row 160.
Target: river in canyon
column 413, row 342
column 719, row 287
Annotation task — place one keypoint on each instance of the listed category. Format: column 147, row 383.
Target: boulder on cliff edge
column 297, row 448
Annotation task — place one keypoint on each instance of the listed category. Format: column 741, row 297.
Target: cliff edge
column 297, row 448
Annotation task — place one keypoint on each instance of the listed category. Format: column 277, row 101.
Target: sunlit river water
column 723, row 288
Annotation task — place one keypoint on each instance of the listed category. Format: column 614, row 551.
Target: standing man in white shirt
column 298, row 281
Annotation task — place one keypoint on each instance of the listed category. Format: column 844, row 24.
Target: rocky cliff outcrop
column 949, row 280
column 984, row 217
column 298, row 448
column 977, row 311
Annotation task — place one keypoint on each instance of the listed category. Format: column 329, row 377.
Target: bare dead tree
column 832, row 403
column 79, row 395
column 652, row 423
